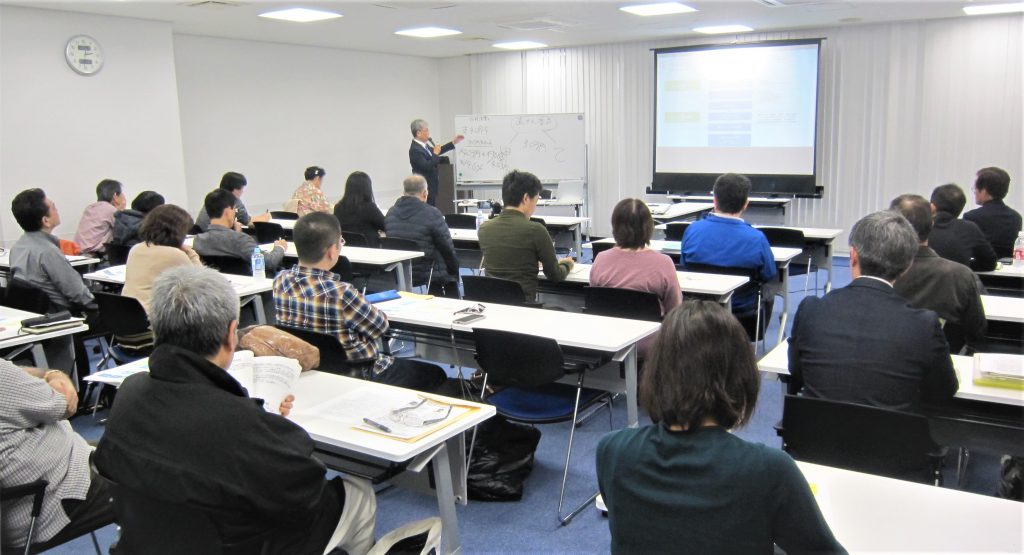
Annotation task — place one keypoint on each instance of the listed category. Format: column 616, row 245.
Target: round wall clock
column 83, row 54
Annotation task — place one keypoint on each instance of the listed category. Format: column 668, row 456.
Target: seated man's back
column 997, row 221
column 221, row 239
column 412, row 218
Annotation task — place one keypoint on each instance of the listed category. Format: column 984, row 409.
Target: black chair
column 754, row 321
column 597, row 248
column 460, row 221
column 332, row 356
column 353, row 239
column 117, row 254
column 674, row 230
column 127, row 319
column 228, row 264
column 794, row 239
column 283, row 215
column 399, row 244
column 195, row 230
column 622, row 303
column 155, row 527
column 268, row 232
column 493, row 290
column 545, row 194
column 23, row 295
column 343, row 267
column 529, row 367
column 861, row 438
column 37, row 490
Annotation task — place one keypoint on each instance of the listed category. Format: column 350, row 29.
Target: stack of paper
column 999, row 370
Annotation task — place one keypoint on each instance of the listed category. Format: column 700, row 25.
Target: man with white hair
column 186, row 432
column 424, row 155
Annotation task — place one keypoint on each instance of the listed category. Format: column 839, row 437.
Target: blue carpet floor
column 531, row 525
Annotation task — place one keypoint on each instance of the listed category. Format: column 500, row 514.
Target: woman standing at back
column 357, row 211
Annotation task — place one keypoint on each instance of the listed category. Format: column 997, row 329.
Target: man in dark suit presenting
column 424, row 155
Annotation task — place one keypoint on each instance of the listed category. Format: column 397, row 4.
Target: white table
column 664, row 212
column 571, row 224
column 285, row 224
column 389, row 260
column 776, row 363
column 247, row 287
column 468, row 205
column 76, row 261
column 1003, row 270
column 870, row 513
column 1003, row 309
column 718, row 286
column 614, row 337
column 12, row 336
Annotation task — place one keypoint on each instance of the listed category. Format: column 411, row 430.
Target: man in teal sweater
column 512, row 245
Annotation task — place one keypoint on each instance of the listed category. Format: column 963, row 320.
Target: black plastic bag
column 502, row 459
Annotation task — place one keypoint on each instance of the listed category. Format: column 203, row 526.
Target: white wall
column 64, row 132
column 905, row 107
column 270, row 110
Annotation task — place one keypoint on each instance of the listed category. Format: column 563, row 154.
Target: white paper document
column 267, row 378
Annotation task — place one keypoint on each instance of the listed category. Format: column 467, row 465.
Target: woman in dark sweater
column 685, row 483
column 357, row 211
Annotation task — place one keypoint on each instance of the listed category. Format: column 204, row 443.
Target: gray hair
column 886, row 244
column 417, row 125
column 414, row 184
column 192, row 308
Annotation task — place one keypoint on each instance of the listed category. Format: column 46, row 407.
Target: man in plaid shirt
column 311, row 296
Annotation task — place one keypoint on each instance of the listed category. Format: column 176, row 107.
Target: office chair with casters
column 622, row 303
column 353, row 239
column 460, row 221
column 793, row 238
column 529, row 367
column 862, row 438
column 117, row 254
column 493, row 290
column 597, row 248
column 268, row 232
column 228, row 264
column 283, row 215
column 755, row 321
column 674, row 230
column 37, row 490
column 332, row 356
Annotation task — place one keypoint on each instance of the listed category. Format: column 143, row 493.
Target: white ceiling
column 370, row 26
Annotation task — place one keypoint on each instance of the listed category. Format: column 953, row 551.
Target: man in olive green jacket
column 512, row 245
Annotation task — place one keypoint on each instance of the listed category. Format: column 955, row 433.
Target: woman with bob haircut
column 685, row 483
column 161, row 246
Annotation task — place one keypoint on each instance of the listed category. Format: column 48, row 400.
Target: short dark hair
column 314, row 233
column 314, row 172
column 165, row 226
column 147, row 200
column 632, row 224
column 106, row 190
column 993, row 180
column 29, row 208
column 700, row 366
column 217, row 201
column 949, row 198
column 233, row 181
column 516, row 184
column 916, row 210
column 731, row 191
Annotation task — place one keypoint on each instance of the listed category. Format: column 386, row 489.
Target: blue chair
column 527, row 368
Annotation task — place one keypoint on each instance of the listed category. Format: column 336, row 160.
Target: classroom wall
column 270, row 110
column 904, row 107
column 64, row 132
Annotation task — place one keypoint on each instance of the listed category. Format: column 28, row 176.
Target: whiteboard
column 550, row 146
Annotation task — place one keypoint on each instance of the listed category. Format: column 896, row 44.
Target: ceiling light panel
column 428, row 32
column 662, row 8
column 990, row 9
column 723, row 29
column 300, row 15
column 519, row 45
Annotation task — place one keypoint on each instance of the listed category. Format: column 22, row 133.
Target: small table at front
column 664, row 213
column 616, row 338
column 247, row 287
column 718, row 286
column 390, row 260
column 783, row 256
column 870, row 513
column 12, row 336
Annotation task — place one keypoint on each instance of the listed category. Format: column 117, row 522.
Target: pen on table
column 377, row 425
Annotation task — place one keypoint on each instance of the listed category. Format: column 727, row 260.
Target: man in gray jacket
column 221, row 239
column 412, row 218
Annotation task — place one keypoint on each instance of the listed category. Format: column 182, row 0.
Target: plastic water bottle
column 1018, row 251
column 572, row 254
column 480, row 218
column 259, row 265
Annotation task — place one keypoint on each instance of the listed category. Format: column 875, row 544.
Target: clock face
column 83, row 54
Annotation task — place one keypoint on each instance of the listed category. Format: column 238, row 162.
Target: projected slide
column 748, row 109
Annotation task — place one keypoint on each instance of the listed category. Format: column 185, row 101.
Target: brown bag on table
column 270, row 341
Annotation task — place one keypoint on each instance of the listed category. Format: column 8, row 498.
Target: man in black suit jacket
column 424, row 155
column 997, row 221
column 955, row 239
column 864, row 343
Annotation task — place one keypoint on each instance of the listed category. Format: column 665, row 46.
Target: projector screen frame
column 762, row 184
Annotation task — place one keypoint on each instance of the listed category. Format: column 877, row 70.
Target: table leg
column 39, row 356
column 577, row 235
column 400, row 270
column 828, row 265
column 632, row 414
column 257, row 306
column 446, row 500
column 784, row 275
column 457, row 445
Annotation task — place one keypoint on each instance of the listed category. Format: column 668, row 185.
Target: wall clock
column 84, row 55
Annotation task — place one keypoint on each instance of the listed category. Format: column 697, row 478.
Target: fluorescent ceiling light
column 300, row 15
column 721, row 29
column 519, row 45
column 994, row 8
column 428, row 32
column 663, row 8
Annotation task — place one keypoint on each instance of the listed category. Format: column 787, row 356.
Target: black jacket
column 411, row 218
column 864, row 344
column 187, row 432
column 999, row 223
column 367, row 220
column 961, row 241
column 424, row 162
column 126, row 227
